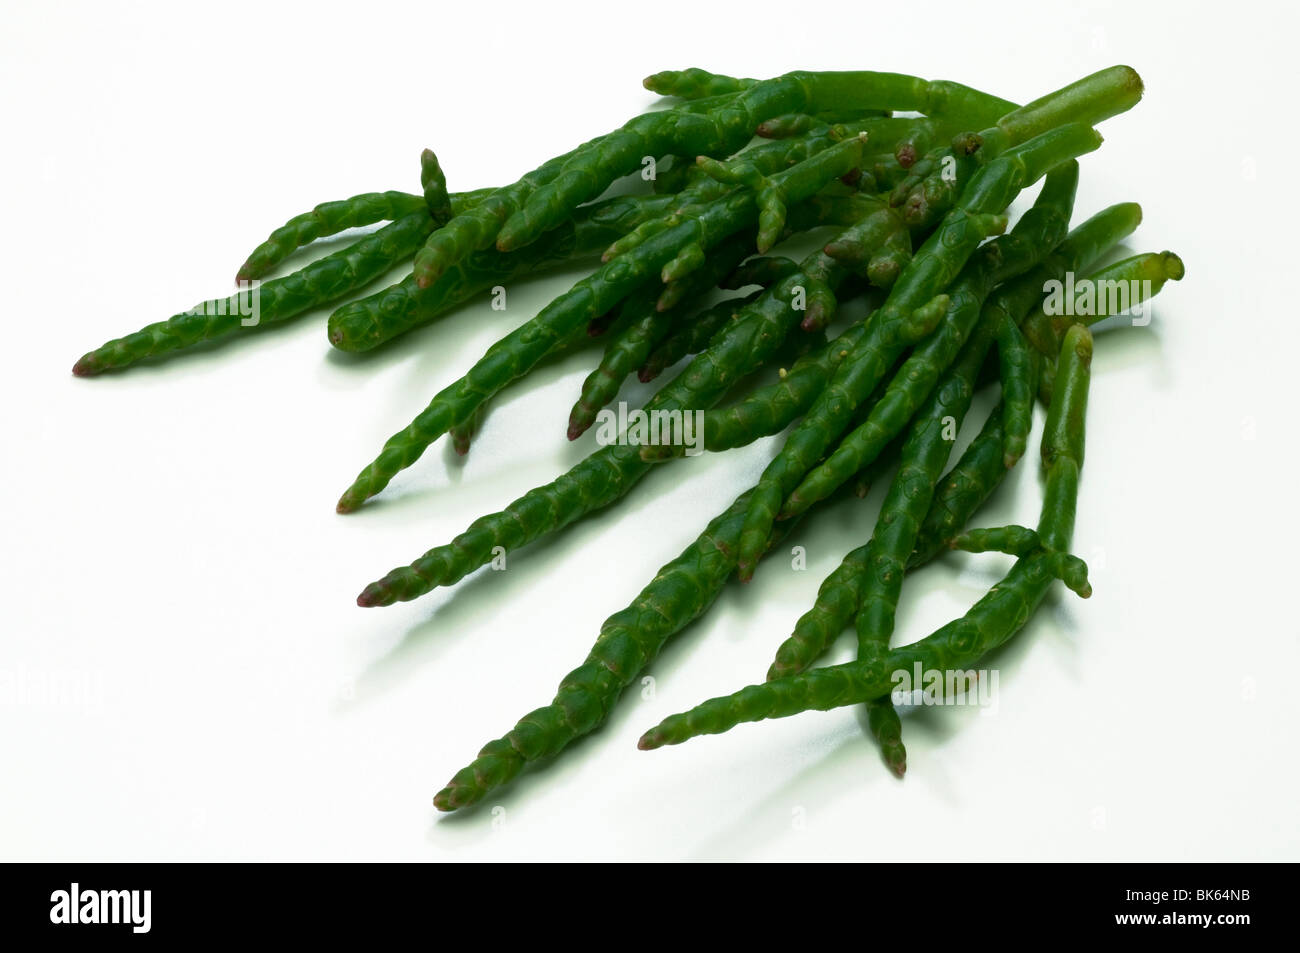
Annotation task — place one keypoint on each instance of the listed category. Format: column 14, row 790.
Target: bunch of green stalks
column 906, row 184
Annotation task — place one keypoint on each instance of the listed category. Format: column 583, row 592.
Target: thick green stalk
column 1090, row 100
column 1013, row 540
column 464, row 433
column 328, row 218
column 963, row 489
column 835, row 605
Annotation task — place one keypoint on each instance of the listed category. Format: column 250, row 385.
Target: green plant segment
column 328, row 279
column 328, row 218
column 929, row 295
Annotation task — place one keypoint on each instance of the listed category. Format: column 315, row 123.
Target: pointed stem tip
column 373, row 595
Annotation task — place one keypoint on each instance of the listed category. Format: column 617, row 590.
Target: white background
column 172, row 561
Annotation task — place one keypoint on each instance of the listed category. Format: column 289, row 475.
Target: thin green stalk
column 330, row 218
column 1018, row 367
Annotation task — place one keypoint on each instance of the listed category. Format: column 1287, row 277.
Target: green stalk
column 277, row 301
